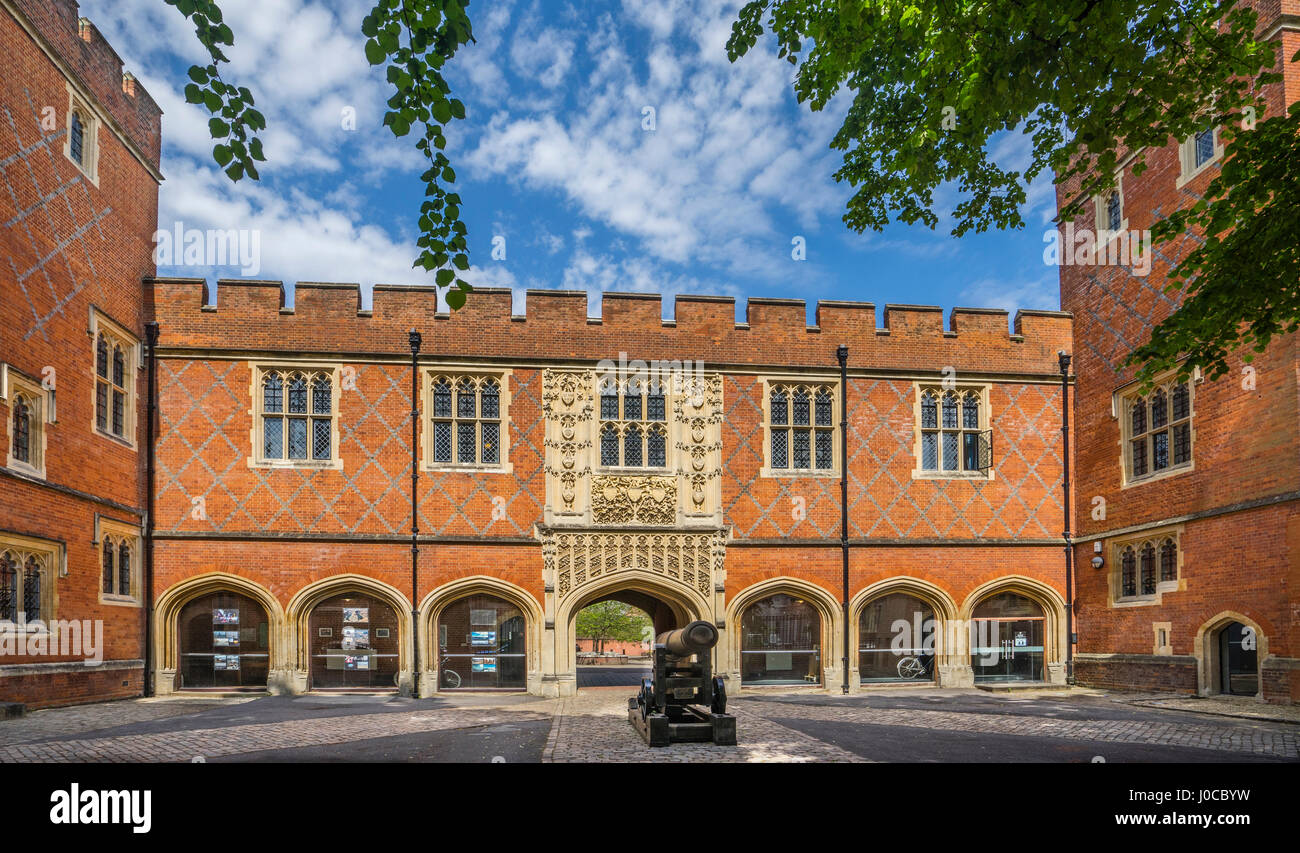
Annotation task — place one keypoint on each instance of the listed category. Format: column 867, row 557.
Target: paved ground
column 922, row 725
column 613, row 675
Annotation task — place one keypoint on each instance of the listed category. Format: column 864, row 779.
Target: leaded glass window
column 124, row 569
column 22, row 580
column 1147, row 562
column 112, row 385
column 801, row 421
column 1204, row 147
column 109, row 556
column 633, row 427
column 297, row 415
column 1160, row 430
column 22, row 430
column 8, row 587
column 1128, row 572
column 1168, row 560
column 953, row 437
column 77, row 139
column 32, row 589
column 1114, row 214
column 467, row 432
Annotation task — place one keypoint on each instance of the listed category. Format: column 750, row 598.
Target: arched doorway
column 224, row 642
column 354, row 641
column 614, row 638
column 897, row 633
column 1238, row 660
column 780, row 641
column 482, row 644
column 1008, row 638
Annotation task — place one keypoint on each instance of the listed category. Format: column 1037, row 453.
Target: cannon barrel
column 695, row 638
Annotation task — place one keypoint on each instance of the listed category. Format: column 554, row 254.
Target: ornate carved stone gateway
column 634, row 500
column 693, row 560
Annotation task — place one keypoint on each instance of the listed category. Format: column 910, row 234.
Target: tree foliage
column 612, row 620
column 413, row 39
column 1087, row 81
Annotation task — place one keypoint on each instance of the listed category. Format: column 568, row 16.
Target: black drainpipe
column 151, row 341
column 1064, row 358
column 414, row 340
column 842, row 353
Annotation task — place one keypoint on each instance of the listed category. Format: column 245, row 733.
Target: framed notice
column 325, row 632
column 482, row 638
column 356, row 615
column 483, row 664
column 225, row 616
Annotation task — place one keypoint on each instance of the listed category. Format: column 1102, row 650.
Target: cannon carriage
column 683, row 701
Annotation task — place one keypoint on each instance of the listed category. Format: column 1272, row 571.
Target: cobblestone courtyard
column 890, row 725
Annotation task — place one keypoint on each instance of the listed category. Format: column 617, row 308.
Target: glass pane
column 442, row 399
column 950, row 451
column 124, row 571
column 1148, row 566
column 781, row 642
column 273, row 438
column 21, row 427
column 823, row 408
column 656, row 449
column 825, row 449
column 320, row 396
column 465, row 450
column 354, row 642
column 655, row 408
column 802, row 450
column 272, row 393
column 1204, row 147
column 321, row 432
column 77, row 139
column 609, row 446
column 631, row 443
column 442, row 439
column 119, row 413
column 101, row 357
column 1128, row 573
column 1139, row 417
column 8, row 588
column 297, row 438
column 779, row 440
column 881, row 657
column 32, row 590
column 465, row 402
column 119, row 370
column 1160, row 451
column 108, row 557
column 101, row 405
column 609, row 407
column 224, row 641
column 929, row 451
column 1182, row 402
column 970, row 451
column 1139, row 456
column 491, row 442
column 780, row 408
column 1168, row 561
column 1113, row 218
column 1159, row 410
column 632, row 407
column 800, row 400
column 298, row 395
column 1182, row 443
column 970, row 412
column 482, row 643
column 490, row 405
column 929, row 412
column 949, row 411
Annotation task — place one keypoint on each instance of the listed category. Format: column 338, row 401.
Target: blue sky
column 554, row 157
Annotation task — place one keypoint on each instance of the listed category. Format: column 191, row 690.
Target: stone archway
column 449, row 593
column 951, row 669
column 166, row 614
column 1206, row 649
column 827, row 607
column 1045, row 596
column 304, row 601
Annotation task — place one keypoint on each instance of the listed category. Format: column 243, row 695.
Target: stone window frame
column 89, row 162
column 1124, row 402
column 813, row 384
column 1101, row 217
column 13, row 387
column 984, row 391
column 116, row 337
column 622, row 425
column 52, row 556
column 1187, row 168
column 1155, row 538
column 118, row 534
column 454, row 374
column 310, row 369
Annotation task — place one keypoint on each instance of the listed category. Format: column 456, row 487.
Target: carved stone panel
column 578, row 558
column 568, row 404
column 634, row 500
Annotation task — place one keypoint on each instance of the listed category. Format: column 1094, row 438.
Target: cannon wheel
column 719, row 704
column 645, row 699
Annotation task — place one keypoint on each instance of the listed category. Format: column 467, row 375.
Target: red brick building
column 1187, row 495
column 79, row 146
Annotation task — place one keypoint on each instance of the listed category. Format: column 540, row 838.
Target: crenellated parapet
column 556, row 326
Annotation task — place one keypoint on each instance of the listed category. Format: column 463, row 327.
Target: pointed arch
column 433, row 604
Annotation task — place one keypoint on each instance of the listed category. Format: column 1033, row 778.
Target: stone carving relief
column 691, row 559
column 698, row 413
column 633, row 500
column 567, row 403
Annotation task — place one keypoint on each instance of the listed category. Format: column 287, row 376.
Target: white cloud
column 1043, row 293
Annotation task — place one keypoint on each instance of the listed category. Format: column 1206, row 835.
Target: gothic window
column 24, row 578
column 77, row 139
column 118, row 564
column 1204, row 145
column 954, row 438
column 1147, row 560
column 1114, row 214
column 633, row 424
column 79, row 145
column 1159, row 428
column 801, row 427
column 1168, row 560
column 466, row 424
column 297, row 415
column 1145, row 564
column 114, row 382
column 1128, row 573
column 26, row 426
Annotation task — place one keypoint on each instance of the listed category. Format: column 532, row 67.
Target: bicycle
column 447, row 677
column 916, row 666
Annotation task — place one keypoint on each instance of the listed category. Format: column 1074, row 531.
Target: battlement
column 251, row 315
column 85, row 56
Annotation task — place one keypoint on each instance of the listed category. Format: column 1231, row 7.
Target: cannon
column 683, row 701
